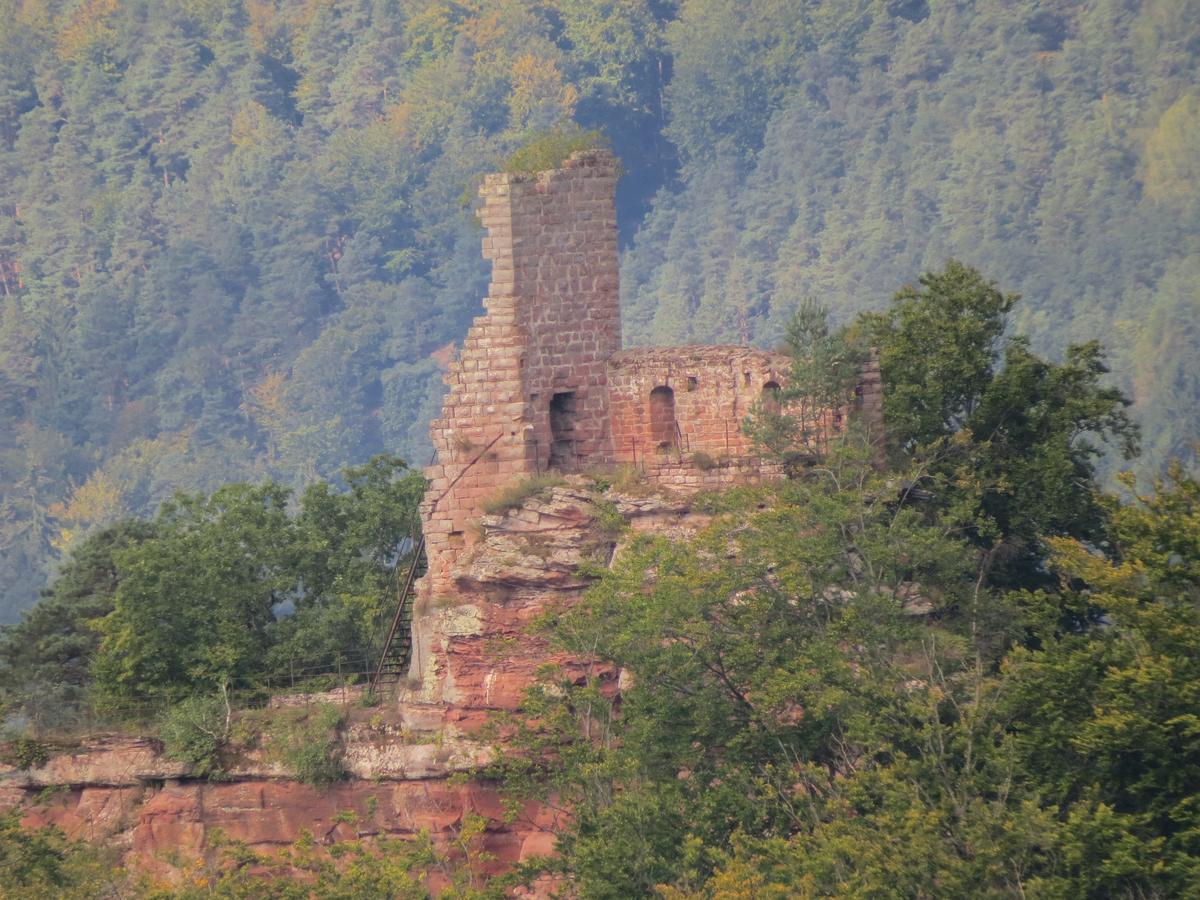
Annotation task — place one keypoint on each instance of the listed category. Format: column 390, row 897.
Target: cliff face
column 121, row 791
column 399, row 758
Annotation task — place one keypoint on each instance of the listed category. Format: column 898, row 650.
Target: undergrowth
column 305, row 740
column 26, row 753
column 196, row 731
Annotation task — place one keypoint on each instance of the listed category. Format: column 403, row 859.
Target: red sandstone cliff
column 400, row 757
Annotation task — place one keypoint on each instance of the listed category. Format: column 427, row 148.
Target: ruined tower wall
column 678, row 412
column 711, row 389
column 551, row 322
column 565, row 257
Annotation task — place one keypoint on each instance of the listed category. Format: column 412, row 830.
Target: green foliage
column 608, row 517
column 1106, row 712
column 730, row 500
column 832, row 693
column 789, row 426
column 195, row 731
column 236, row 262
column 194, row 608
column 795, row 730
column 45, row 659
column 229, row 243
column 517, row 492
column 740, row 670
column 624, row 478
column 193, row 604
column 833, row 150
column 306, row 741
column 347, row 543
column 994, row 434
column 43, row 863
column 998, row 430
column 938, row 345
column 550, row 149
column 230, row 238
column 359, row 869
column 26, row 753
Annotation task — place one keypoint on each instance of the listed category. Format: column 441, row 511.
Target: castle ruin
column 541, row 383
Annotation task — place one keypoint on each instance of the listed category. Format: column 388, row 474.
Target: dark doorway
column 562, row 431
column 770, row 399
column 662, row 417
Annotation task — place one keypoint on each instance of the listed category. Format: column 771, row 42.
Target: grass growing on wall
column 513, row 495
column 549, row 149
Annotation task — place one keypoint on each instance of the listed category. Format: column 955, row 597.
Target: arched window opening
column 662, row 417
column 770, row 398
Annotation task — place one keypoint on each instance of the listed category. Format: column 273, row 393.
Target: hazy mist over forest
column 235, row 235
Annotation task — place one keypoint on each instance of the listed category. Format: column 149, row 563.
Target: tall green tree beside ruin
column 1015, row 437
column 195, row 604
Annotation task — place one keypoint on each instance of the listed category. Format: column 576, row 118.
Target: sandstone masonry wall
column 552, row 321
column 712, row 389
column 541, row 384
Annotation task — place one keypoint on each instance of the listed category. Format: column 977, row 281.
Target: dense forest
column 235, row 235
column 950, row 665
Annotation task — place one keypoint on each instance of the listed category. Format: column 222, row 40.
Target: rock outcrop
column 399, row 758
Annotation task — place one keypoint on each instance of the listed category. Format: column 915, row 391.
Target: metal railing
column 405, row 594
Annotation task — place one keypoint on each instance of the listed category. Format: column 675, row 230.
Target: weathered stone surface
column 177, row 818
column 114, row 761
column 552, row 321
column 705, row 393
column 390, row 753
column 540, row 544
column 92, row 813
column 523, row 561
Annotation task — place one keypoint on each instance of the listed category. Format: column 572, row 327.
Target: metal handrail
column 414, row 565
column 418, row 550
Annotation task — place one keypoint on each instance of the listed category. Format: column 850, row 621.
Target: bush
column 42, row 862
column 624, row 478
column 195, row 731
column 26, row 753
column 306, row 742
column 550, row 148
column 703, row 461
column 608, row 517
column 513, row 495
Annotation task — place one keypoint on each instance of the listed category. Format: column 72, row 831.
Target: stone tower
column 529, row 390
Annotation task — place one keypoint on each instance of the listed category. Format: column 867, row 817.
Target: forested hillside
column 946, row 664
column 233, row 237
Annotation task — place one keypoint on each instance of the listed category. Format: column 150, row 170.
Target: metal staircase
column 396, row 649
